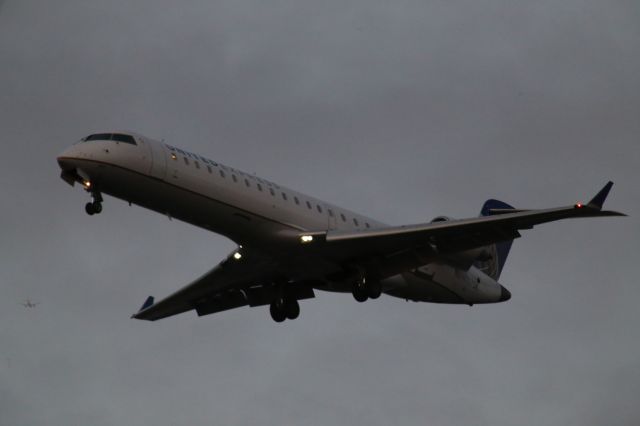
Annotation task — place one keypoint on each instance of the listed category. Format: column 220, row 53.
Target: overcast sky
column 400, row 110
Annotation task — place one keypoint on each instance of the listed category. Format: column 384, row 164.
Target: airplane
column 29, row 304
column 290, row 245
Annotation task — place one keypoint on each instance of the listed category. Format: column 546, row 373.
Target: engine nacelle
column 464, row 259
column 441, row 219
column 482, row 254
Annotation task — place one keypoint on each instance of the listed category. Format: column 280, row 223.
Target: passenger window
column 295, row 199
column 330, row 213
column 284, row 196
column 246, row 182
column 319, row 208
column 272, row 192
column 235, row 179
column 209, row 169
column 367, row 224
column 222, row 173
column 344, row 219
column 186, row 160
column 355, row 221
column 259, row 187
column 197, row 164
column 309, row 205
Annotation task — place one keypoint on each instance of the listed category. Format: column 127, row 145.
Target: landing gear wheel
column 360, row 292
column 292, row 309
column 277, row 312
column 374, row 289
column 94, row 207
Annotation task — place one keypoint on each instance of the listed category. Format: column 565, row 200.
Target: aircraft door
column 158, row 160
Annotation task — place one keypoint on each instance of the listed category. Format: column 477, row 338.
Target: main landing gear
column 364, row 289
column 94, row 207
column 284, row 308
column 284, row 304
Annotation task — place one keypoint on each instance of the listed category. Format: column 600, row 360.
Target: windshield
column 118, row 137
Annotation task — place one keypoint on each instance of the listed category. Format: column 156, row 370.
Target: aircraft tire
column 277, row 312
column 292, row 309
column 374, row 289
column 89, row 209
column 360, row 293
column 97, row 207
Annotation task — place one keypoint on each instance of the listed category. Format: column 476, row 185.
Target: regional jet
column 290, row 245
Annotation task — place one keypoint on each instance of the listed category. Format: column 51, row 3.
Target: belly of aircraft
column 442, row 283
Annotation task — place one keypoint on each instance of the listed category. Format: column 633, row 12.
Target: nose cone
column 76, row 154
column 65, row 161
column 504, row 294
column 68, row 162
column 66, row 157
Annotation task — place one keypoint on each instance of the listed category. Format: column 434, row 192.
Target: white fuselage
column 252, row 211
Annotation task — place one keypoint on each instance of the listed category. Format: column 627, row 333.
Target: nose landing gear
column 94, row 207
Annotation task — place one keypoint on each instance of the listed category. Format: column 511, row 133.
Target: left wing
column 454, row 235
column 243, row 278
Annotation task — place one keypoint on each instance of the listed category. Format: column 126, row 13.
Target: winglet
column 598, row 200
column 147, row 303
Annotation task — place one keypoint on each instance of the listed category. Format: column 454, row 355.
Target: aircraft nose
column 69, row 152
column 66, row 157
column 65, row 162
column 504, row 294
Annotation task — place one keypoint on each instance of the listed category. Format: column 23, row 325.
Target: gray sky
column 402, row 110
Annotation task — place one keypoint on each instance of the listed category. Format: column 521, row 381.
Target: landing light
column 237, row 255
column 306, row 239
column 86, row 184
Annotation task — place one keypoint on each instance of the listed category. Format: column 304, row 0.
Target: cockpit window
column 98, row 137
column 118, row 137
column 123, row 138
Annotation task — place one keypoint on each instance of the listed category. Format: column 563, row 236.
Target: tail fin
column 500, row 251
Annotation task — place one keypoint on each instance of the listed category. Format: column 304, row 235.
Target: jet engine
column 441, row 219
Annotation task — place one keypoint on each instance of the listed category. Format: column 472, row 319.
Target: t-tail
column 499, row 251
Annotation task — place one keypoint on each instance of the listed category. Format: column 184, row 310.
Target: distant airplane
column 29, row 304
column 290, row 244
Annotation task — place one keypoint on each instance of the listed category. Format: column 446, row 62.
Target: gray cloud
column 402, row 110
